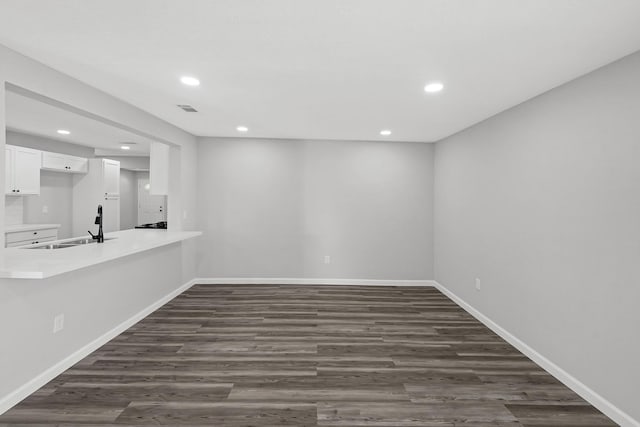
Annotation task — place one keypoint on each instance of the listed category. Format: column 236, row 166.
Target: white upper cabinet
column 111, row 177
column 22, row 173
column 8, row 170
column 64, row 163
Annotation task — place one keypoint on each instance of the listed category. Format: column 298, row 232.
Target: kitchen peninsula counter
column 25, row 263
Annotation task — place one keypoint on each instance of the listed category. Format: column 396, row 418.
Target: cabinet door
column 77, row 164
column 29, row 242
column 27, row 170
column 54, row 161
column 64, row 163
column 111, row 177
column 8, row 171
column 21, row 236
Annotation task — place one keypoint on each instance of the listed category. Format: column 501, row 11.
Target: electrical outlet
column 58, row 323
column 478, row 284
column 45, row 209
column 327, row 259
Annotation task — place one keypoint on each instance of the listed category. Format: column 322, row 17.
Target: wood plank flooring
column 307, row 356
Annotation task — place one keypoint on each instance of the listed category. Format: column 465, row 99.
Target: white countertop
column 20, row 263
column 28, row 227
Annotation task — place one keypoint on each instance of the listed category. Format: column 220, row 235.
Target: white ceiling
column 327, row 69
column 31, row 116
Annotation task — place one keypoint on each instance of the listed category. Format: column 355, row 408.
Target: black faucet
column 100, row 236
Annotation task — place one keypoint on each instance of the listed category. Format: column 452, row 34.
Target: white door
column 111, row 177
column 27, row 170
column 151, row 208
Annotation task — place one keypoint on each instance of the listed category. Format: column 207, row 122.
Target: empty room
column 320, row 213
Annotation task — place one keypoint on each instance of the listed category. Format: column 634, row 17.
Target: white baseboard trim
column 12, row 399
column 607, row 408
column 301, row 281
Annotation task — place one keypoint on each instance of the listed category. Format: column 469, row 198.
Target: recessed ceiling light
column 385, row 132
column 190, row 81
column 125, row 147
column 242, row 129
column 63, row 132
column 433, row 87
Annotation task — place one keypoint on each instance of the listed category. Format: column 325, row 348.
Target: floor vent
column 188, row 108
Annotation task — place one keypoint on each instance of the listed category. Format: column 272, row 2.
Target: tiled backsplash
column 13, row 210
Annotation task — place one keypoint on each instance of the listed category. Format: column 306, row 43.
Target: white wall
column 275, row 208
column 122, row 288
column 542, row 203
column 47, row 144
column 94, row 301
column 33, row 76
column 130, row 162
column 3, row 136
column 128, row 199
column 13, row 210
column 56, row 189
column 56, row 193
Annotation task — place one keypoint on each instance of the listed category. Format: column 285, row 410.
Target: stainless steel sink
column 81, row 242
column 67, row 244
column 51, row 246
column 84, row 241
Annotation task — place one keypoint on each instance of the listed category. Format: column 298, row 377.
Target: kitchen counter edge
column 21, row 263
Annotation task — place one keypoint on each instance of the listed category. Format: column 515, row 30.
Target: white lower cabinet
column 30, row 236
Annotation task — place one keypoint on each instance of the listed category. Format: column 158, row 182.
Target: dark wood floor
column 307, row 356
